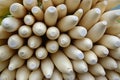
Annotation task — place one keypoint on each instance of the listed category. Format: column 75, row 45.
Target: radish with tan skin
column 15, row 41
column 57, row 2
column 4, row 34
column 59, row 39
column 62, row 10
column 6, row 52
column 73, row 53
column 58, row 58
column 97, row 70
column 34, row 42
column 85, row 76
column 28, row 4
column 11, row 24
column 36, row 74
column 69, row 76
column 52, row 46
column 51, row 16
column 79, row 13
column 47, row 67
column 25, row 52
column 14, row 62
column 3, row 65
column 41, row 53
column 100, row 51
column 39, row 29
column 33, row 63
column 22, row 73
column 102, row 5
column 29, row 20
column 84, row 3
column 37, row 13
column 8, row 75
column 56, row 75
column 46, row 4
column 64, row 40
column 18, row 10
column 25, row 31
column 101, row 78
column 80, row 66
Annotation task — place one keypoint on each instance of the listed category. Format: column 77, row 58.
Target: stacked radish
column 61, row 39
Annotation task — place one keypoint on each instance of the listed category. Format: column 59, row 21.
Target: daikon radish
column 97, row 31
column 69, row 76
column 101, row 78
column 29, row 19
column 7, row 75
column 17, row 10
column 110, row 41
column 11, row 24
column 36, row 75
column 56, row 75
column 86, row 5
column 39, row 28
column 25, row 31
column 4, row 34
column 80, row 66
column 100, row 51
column 15, row 62
column 110, row 16
column 38, row 13
column 90, row 18
column 62, row 10
column 67, row 23
column 118, row 68
column 86, row 76
column 64, row 40
column 114, row 29
column 72, row 5
column 33, row 63
column 52, row 33
column 79, row 13
column 90, row 57
column 3, row 65
column 51, row 16
column 34, row 42
column 77, row 32
column 84, row 44
column 52, row 46
column 97, row 70
column 112, row 75
column 47, row 67
column 62, row 62
column 15, row 41
column 73, row 53
column 25, row 52
column 58, row 2
column 28, row 4
column 22, row 73
column 108, row 63
column 6, row 52
column 102, row 5
column 41, row 53
column 115, row 53
column 46, row 4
